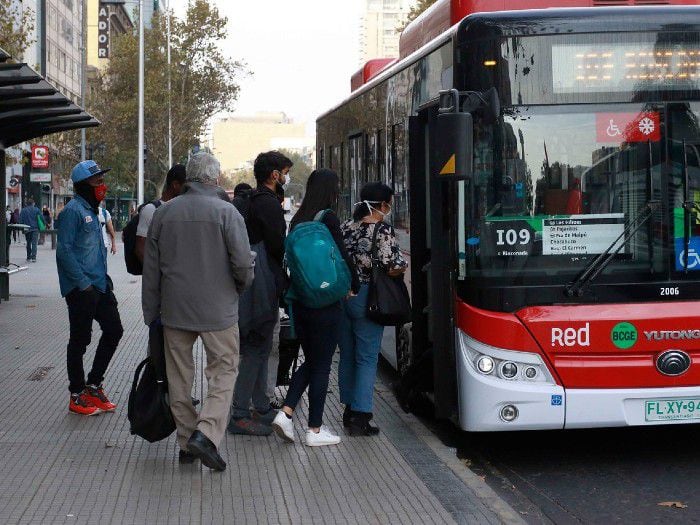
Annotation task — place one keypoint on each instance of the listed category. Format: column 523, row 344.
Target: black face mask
column 84, row 189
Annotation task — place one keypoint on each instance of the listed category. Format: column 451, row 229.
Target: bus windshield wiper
column 597, row 265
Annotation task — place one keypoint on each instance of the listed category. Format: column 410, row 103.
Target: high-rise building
column 379, row 36
column 105, row 21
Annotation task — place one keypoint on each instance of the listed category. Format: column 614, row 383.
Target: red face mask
column 100, row 192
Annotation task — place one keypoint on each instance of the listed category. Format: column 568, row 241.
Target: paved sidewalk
column 57, row 467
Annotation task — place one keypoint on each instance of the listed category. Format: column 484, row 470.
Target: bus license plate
column 671, row 409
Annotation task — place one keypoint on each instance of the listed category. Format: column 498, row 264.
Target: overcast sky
column 302, row 53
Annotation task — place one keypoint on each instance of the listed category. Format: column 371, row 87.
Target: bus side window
column 371, row 156
column 381, row 156
column 399, row 178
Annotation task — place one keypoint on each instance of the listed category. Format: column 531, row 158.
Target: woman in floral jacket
column 360, row 338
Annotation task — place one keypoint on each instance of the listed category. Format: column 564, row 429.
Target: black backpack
column 149, row 406
column 133, row 265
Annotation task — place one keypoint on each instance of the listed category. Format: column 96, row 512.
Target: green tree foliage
column 416, row 10
column 203, row 83
column 16, row 28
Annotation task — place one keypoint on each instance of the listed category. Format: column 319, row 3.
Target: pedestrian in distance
column 316, row 328
column 81, row 259
column 108, row 234
column 15, row 220
column 241, row 197
column 360, row 338
column 46, row 217
column 30, row 217
column 259, row 308
column 197, row 262
column 174, row 182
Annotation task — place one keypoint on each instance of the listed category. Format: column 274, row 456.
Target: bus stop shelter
column 30, row 107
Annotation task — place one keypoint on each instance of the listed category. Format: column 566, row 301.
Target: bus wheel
column 403, row 348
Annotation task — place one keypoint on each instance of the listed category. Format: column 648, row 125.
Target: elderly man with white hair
column 196, row 264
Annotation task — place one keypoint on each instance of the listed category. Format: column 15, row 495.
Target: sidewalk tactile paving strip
column 61, row 468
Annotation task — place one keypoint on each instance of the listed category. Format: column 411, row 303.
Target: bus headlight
column 485, row 364
column 506, row 365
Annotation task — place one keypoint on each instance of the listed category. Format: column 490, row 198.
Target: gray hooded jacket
column 197, row 262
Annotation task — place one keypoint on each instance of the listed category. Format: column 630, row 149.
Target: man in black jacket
column 266, row 230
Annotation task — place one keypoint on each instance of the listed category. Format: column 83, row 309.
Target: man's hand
column 114, row 247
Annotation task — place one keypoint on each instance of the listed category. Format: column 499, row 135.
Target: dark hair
column 175, row 174
column 321, row 194
column 241, row 188
column 267, row 162
column 375, row 193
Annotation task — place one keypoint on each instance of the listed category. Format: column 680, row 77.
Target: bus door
column 432, row 358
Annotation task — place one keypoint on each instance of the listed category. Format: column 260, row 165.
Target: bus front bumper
column 542, row 406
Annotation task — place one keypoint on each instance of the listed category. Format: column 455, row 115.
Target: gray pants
column 273, row 362
column 251, row 383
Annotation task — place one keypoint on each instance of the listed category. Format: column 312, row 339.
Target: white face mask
column 372, row 208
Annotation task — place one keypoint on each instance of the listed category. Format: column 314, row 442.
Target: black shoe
column 186, row 458
column 347, row 415
column 360, row 424
column 201, row 447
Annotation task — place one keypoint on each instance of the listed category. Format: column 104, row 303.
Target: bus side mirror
column 454, row 144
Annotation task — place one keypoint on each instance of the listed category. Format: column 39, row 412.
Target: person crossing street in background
column 81, row 259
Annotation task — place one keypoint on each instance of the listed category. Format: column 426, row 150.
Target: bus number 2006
column 670, row 291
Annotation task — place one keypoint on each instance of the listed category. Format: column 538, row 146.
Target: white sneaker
column 323, row 437
column 283, row 426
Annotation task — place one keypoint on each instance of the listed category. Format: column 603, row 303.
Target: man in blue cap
column 81, row 258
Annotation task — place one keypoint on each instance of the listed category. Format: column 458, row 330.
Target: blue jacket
column 28, row 216
column 81, row 255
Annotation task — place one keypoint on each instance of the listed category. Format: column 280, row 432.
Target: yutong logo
column 671, row 335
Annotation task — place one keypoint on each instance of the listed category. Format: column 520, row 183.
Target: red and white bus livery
column 546, row 165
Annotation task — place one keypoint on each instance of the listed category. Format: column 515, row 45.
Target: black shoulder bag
column 388, row 303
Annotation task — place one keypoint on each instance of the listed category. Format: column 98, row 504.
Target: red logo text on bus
column 628, row 127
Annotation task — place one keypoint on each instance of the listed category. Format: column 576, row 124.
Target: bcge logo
column 572, row 336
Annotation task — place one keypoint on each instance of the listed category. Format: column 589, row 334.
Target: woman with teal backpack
column 316, row 328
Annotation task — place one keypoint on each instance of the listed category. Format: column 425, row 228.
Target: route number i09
column 512, row 237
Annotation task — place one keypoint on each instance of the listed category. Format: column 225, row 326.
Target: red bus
column 546, row 168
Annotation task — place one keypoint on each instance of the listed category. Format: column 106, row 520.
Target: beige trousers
column 222, row 349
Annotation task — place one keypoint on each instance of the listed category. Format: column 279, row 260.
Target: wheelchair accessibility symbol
column 693, row 254
column 693, row 259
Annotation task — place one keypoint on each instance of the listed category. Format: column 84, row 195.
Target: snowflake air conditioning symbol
column 647, row 126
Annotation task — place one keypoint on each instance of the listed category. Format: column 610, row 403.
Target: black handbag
column 388, row 302
column 149, row 408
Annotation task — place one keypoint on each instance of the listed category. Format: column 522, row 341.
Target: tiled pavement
column 56, row 467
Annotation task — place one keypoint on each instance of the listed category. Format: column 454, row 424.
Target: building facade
column 236, row 141
column 104, row 22
column 379, row 36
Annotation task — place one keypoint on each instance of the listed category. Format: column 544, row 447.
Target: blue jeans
column 32, row 237
column 360, row 342
column 317, row 330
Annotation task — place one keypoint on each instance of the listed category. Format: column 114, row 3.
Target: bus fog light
column 531, row 372
column 509, row 413
column 485, row 364
column 509, row 370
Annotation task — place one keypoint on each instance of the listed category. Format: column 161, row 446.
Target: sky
column 302, row 53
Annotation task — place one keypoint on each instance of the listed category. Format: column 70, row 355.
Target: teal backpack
column 319, row 275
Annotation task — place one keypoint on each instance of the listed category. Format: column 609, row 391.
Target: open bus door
column 432, row 360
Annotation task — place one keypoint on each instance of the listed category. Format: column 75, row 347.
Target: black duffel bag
column 388, row 302
column 149, row 407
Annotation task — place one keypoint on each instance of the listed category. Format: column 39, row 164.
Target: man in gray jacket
column 197, row 262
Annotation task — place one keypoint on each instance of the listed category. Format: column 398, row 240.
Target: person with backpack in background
column 197, row 264
column 30, row 216
column 81, row 260
column 314, row 242
column 360, row 338
column 174, row 181
column 259, row 307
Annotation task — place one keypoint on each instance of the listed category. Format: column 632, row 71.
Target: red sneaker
column 96, row 395
column 80, row 404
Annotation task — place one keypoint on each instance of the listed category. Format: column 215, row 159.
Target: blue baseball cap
column 86, row 169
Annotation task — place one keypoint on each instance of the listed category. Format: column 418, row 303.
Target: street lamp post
column 139, row 192
column 170, row 109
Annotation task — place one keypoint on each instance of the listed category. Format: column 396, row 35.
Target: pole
column 170, row 107
column 83, row 70
column 139, row 194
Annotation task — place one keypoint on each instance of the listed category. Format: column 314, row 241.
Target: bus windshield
column 555, row 186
